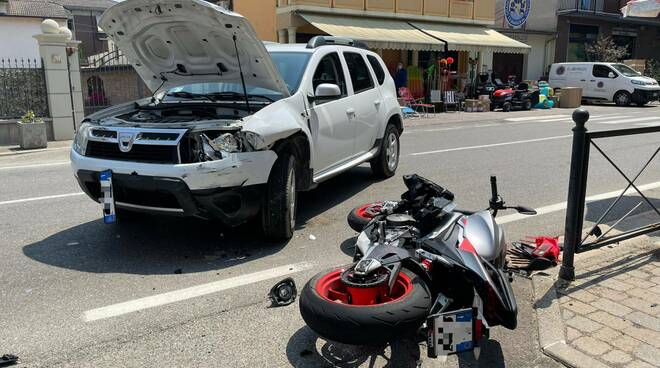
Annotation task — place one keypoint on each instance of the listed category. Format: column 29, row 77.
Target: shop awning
column 376, row 33
column 641, row 8
column 472, row 38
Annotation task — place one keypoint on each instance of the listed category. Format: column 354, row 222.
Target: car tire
column 622, row 98
column 506, row 107
column 527, row 105
column 385, row 164
column 279, row 209
column 365, row 324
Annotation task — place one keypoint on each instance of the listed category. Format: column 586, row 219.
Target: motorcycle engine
column 400, row 219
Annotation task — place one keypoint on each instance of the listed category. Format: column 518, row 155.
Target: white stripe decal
column 562, row 206
column 41, row 198
column 489, row 145
column 193, row 292
column 524, row 118
column 34, row 165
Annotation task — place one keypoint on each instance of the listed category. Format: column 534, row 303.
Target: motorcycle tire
column 360, row 216
column 365, row 324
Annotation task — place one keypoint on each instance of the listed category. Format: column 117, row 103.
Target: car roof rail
column 318, row 41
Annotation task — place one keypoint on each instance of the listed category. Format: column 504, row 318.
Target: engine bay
column 175, row 113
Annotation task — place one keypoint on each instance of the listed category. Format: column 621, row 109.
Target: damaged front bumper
column 229, row 189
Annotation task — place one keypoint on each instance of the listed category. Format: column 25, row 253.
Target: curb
column 551, row 325
column 23, row 152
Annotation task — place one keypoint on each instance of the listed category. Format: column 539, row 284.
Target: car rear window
column 360, row 75
column 380, row 74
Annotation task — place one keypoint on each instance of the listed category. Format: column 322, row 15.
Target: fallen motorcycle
column 419, row 262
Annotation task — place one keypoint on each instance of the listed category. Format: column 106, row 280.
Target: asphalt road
column 170, row 292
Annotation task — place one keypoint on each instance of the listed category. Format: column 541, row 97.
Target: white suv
column 236, row 127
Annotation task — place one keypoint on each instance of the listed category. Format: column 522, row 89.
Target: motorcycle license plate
column 451, row 332
column 108, row 199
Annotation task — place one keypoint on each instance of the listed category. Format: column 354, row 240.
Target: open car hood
column 172, row 43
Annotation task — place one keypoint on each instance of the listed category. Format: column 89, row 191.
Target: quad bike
column 514, row 97
column 418, row 262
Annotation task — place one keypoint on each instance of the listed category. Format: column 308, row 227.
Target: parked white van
column 605, row 82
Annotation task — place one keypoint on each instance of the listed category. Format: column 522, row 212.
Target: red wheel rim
column 370, row 210
column 331, row 288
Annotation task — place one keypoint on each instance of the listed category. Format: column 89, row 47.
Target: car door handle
column 377, row 102
column 583, row 80
column 593, row 80
column 350, row 111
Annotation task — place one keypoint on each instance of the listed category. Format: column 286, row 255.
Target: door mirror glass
column 611, row 75
column 327, row 91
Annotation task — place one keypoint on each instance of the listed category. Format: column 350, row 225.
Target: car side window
column 378, row 69
column 360, row 75
column 330, row 71
column 602, row 71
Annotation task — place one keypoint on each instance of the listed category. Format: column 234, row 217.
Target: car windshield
column 625, row 70
column 291, row 66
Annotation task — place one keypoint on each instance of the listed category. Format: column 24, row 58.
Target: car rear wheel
column 385, row 164
column 279, row 210
column 506, row 107
column 527, row 105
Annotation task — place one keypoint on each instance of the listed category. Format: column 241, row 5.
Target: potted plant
column 32, row 131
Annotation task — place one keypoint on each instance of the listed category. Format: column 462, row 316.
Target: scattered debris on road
column 283, row 293
column 312, row 237
column 541, row 255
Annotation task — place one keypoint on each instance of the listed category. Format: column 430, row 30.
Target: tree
column 604, row 49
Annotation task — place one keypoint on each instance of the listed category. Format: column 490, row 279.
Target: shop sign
column 517, row 12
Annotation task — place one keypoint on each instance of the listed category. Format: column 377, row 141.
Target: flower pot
column 33, row 135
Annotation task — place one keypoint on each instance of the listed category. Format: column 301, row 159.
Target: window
column 602, row 71
column 625, row 70
column 291, row 66
column 359, row 71
column 578, row 37
column 329, row 71
column 375, row 64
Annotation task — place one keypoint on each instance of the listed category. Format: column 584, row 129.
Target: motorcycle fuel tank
column 484, row 234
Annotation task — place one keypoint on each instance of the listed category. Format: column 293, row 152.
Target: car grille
column 139, row 152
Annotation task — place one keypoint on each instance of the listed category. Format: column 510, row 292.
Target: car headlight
column 637, row 82
column 81, row 138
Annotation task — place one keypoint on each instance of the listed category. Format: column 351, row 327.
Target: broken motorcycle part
column 283, row 293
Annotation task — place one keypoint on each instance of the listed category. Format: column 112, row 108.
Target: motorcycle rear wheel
column 360, row 216
column 372, row 324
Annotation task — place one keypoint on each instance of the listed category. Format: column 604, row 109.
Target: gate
column 108, row 79
column 22, row 88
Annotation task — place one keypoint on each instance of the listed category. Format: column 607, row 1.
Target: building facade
column 415, row 33
column 579, row 22
column 537, row 28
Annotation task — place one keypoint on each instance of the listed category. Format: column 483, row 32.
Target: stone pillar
column 292, row 34
column 54, row 45
column 281, row 35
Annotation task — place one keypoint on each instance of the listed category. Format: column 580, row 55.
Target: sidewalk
column 52, row 146
column 610, row 315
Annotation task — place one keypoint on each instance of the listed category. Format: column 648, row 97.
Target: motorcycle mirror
column 525, row 210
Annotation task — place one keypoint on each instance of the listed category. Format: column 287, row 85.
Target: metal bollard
column 577, row 187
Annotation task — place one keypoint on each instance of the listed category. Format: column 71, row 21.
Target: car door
column 330, row 124
column 365, row 102
column 601, row 82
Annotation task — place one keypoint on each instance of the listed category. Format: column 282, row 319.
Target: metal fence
column 574, row 241
column 22, row 88
column 109, row 79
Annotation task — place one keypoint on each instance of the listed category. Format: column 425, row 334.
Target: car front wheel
column 279, row 210
column 384, row 165
column 622, row 98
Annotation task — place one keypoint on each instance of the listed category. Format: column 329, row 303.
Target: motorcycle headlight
column 81, row 138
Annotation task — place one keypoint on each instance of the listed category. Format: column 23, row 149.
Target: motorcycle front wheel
column 364, row 316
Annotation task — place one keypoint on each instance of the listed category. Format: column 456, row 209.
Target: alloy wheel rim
column 392, row 151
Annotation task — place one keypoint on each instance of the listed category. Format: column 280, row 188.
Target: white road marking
column 524, row 118
column 562, row 206
column 34, row 165
column 193, row 292
column 489, row 145
column 651, row 124
column 41, row 198
column 34, row 151
column 628, row 120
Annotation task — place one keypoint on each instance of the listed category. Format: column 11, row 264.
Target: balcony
column 609, row 7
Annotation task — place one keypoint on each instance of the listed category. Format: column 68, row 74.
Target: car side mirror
column 326, row 92
column 611, row 75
